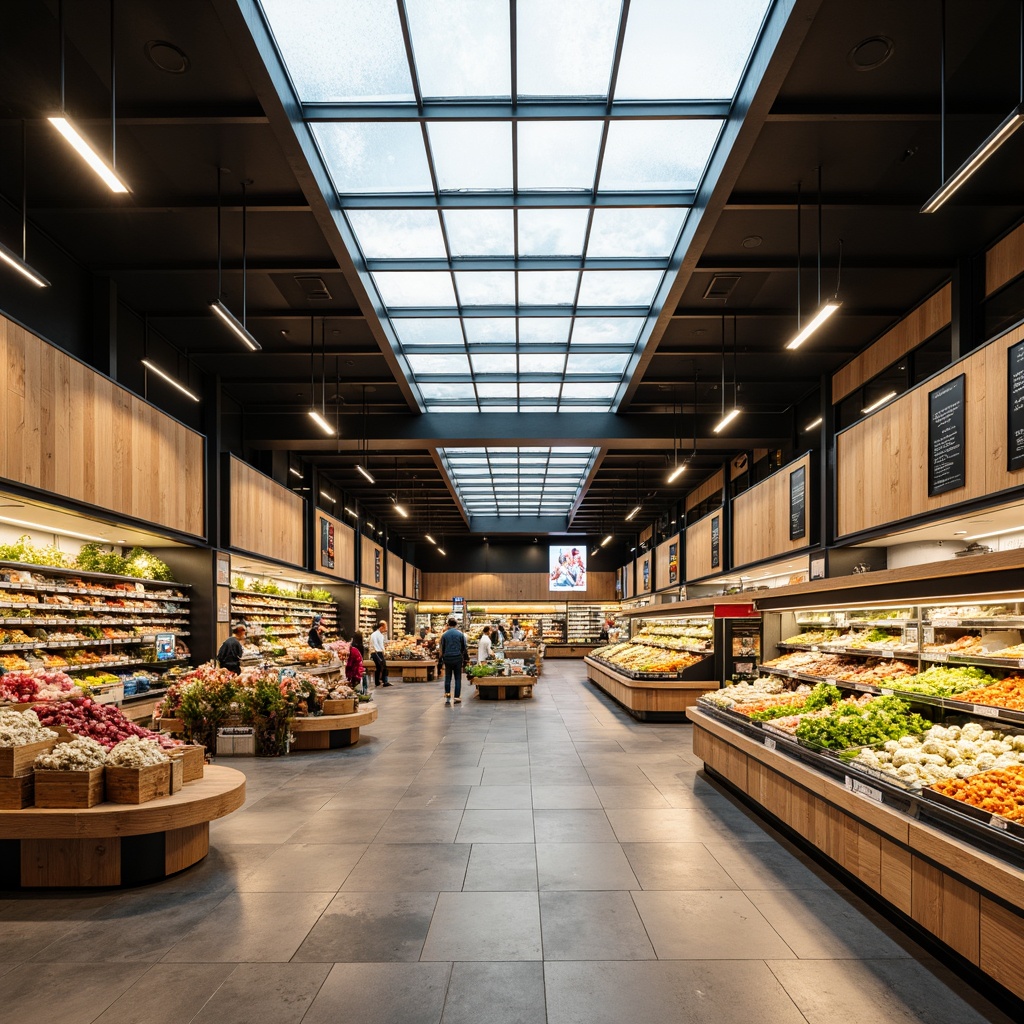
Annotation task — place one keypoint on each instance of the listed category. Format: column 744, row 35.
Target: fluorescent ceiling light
column 321, row 422
column 676, row 473
column 13, row 260
column 633, row 513
column 235, row 325
column 819, row 318
column 401, row 511
column 351, row 512
column 431, row 539
column 294, row 472
column 442, row 550
column 878, row 405
column 996, row 533
column 88, row 154
column 811, row 426
column 170, row 380
column 1009, row 125
column 365, row 473
column 606, row 540
column 324, row 494
column 726, row 420
column 53, row 529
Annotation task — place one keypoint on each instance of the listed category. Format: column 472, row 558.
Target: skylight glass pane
column 446, row 407
column 496, row 390
column 415, row 288
column 611, row 330
column 393, row 234
column 448, row 364
column 586, row 408
column 367, row 157
column 619, row 287
column 480, row 232
column 581, row 389
column 565, row 48
column 490, row 330
column 634, row 232
column 656, row 155
column 558, row 154
column 494, row 363
column 542, row 362
column 428, row 331
column 552, row 232
column 471, row 154
column 355, row 53
column 539, row 390
column 547, row 287
column 544, row 330
column 596, row 362
column 687, row 49
column 538, row 407
column 486, row 288
column 447, row 392
column 461, row 47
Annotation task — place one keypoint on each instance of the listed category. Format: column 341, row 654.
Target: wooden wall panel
column 344, row 548
column 1004, row 261
column 714, row 483
column 371, row 568
column 698, row 548
column 396, row 574
column 760, row 517
column 68, row 430
column 917, row 326
column 882, row 462
column 661, row 564
column 266, row 518
column 638, row 573
column 628, row 582
column 525, row 586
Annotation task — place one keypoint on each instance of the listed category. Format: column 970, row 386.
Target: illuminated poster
column 326, row 544
column 673, row 563
column 567, row 568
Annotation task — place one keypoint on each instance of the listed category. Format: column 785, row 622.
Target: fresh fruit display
column 969, row 643
column 1000, row 791
column 941, row 681
column 813, row 636
column 822, row 696
column 103, row 723
column 641, row 658
column 13, row 663
column 408, row 647
column 943, row 752
column 20, row 727
column 28, row 687
column 1006, row 693
column 849, row 725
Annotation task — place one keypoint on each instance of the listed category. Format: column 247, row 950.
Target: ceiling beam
column 137, row 115
column 804, row 111
column 689, row 313
column 783, row 201
column 562, row 109
column 143, row 203
column 884, row 264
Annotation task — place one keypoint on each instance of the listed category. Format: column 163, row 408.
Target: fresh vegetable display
column 1000, row 791
column 941, row 681
column 136, row 753
column 78, row 755
column 104, row 723
column 812, row 636
column 822, row 696
column 28, row 687
column 18, row 728
column 847, row 725
column 763, row 689
column 1006, row 693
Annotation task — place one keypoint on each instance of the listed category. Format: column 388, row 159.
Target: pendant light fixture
column 440, row 547
column 827, row 308
column 1006, row 128
column 678, row 468
column 638, row 506
column 361, row 465
column 728, row 417
column 318, row 416
column 105, row 171
column 399, row 508
column 8, row 256
column 152, row 367
column 236, row 326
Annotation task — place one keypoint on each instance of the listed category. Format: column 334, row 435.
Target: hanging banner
column 716, row 542
column 947, row 469
column 798, row 503
column 673, row 563
column 1015, row 407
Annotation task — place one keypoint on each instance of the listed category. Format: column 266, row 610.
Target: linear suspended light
column 878, row 405
column 676, row 473
column 236, row 325
column 819, row 318
column 726, row 420
column 170, row 380
column 315, row 416
column 78, row 142
column 294, row 472
column 351, row 512
column 442, row 550
column 606, row 540
column 811, row 426
column 13, row 260
column 324, row 494
column 633, row 513
column 401, row 511
column 360, row 468
column 431, row 539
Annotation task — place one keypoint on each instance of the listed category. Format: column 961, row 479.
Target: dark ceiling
column 875, row 134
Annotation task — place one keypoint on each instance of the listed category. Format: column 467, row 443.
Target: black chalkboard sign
column 1015, row 407
column 716, row 542
column 947, row 466
column 798, row 503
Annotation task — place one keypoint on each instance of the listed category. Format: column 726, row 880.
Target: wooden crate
column 177, row 773
column 17, row 792
column 138, row 785
column 19, row 760
column 174, row 725
column 194, row 760
column 346, row 706
column 69, row 789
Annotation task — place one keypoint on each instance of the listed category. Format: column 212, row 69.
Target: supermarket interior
column 510, row 511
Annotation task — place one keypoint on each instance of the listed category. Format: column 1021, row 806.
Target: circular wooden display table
column 329, row 732
column 504, row 687
column 117, row 844
column 414, row 670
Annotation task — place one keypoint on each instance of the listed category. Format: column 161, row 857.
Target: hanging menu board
column 947, row 468
column 716, row 541
column 798, row 503
column 1015, row 407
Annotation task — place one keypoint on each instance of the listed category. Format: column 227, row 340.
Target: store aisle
column 547, row 860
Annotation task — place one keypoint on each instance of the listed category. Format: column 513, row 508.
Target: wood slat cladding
column 882, row 462
column 714, row 483
column 396, row 574
column 917, row 326
column 661, row 564
column 698, row 548
column 266, row 518
column 511, row 586
column 68, row 430
column 1004, row 261
column 760, row 517
column 344, row 548
column 371, row 567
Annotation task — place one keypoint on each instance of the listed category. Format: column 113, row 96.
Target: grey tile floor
column 540, row 861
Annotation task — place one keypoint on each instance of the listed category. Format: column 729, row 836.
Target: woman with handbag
column 454, row 654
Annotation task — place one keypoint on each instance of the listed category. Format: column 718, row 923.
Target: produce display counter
column 966, row 897
column 117, row 844
column 569, row 650
column 329, row 732
column 413, row 670
column 648, row 699
column 503, row 687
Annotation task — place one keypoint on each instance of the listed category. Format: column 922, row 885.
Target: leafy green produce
column 877, row 636
column 941, row 681
column 821, row 696
column 847, row 725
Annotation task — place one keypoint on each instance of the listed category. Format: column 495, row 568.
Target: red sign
column 735, row 611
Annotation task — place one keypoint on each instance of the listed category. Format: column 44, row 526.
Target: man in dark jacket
column 230, row 654
column 454, row 654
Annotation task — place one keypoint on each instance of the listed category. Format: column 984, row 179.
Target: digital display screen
column 567, row 567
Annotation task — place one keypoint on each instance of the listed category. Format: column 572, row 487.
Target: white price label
column 938, row 656
column 885, row 692
column 831, row 681
column 996, row 822
column 985, row 711
column 769, row 743
column 945, row 622
column 862, row 789
column 1020, row 663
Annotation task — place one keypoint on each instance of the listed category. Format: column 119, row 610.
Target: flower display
column 104, row 723
column 268, row 701
column 78, row 755
column 203, row 699
column 18, row 728
column 29, row 687
column 136, row 753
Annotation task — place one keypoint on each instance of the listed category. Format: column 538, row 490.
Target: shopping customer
column 483, row 651
column 316, row 634
column 454, row 654
column 230, row 654
column 355, row 671
column 379, row 639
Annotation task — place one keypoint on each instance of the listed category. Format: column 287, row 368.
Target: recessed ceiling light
column 871, row 53
column 751, row 241
column 167, row 57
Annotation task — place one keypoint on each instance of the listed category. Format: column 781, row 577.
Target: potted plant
column 205, row 697
column 268, row 703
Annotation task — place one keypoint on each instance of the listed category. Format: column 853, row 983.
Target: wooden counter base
column 414, row 671
column 970, row 901
column 117, row 844
column 649, row 700
column 580, row 650
column 489, row 689
column 329, row 732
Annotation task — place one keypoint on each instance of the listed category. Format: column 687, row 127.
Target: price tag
column 996, row 822
column 937, row 656
column 769, row 743
column 831, row 681
column 885, row 692
column 985, row 711
column 945, row 622
column 1020, row 663
column 863, row 789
